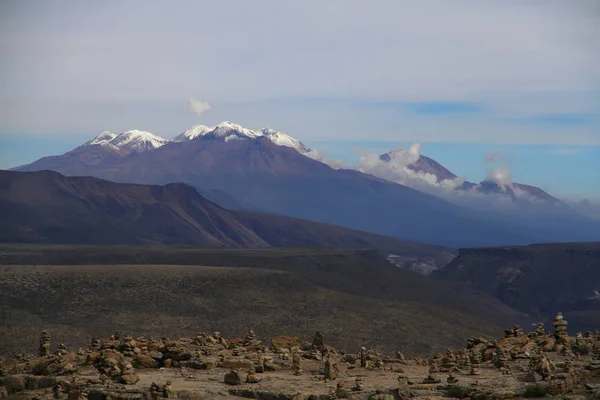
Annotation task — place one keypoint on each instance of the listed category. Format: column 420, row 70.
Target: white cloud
column 501, row 176
column 517, row 58
column 492, row 157
column 198, row 107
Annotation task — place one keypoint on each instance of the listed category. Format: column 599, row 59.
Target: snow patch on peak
column 225, row 131
column 281, row 139
column 192, row 133
column 137, row 140
column 227, row 128
column 102, row 139
column 133, row 140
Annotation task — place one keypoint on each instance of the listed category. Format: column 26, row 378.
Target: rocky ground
column 208, row 366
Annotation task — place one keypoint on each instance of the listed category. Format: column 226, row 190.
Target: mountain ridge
column 137, row 141
column 46, row 207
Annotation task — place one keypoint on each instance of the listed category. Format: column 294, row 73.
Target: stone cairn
column 250, row 339
column 329, row 372
column 363, row 357
column 318, row 342
column 433, row 368
column 62, row 350
column 358, row 384
column 158, row 391
column 296, row 368
column 95, row 344
column 44, row 343
column 434, row 364
column 540, row 331
column 251, row 377
column 544, row 367
column 448, row 362
column 475, row 361
column 560, row 329
column 501, row 361
column 518, row 331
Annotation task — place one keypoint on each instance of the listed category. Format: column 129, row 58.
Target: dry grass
column 354, row 296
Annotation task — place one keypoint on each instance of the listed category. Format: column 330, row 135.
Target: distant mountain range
column 270, row 171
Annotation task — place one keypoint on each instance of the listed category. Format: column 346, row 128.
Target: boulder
column 251, row 378
column 130, row 379
column 233, row 378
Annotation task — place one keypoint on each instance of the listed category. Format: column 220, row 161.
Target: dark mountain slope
column 50, row 208
column 280, row 180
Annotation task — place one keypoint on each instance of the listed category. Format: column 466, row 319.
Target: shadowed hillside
column 46, row 207
column 539, row 280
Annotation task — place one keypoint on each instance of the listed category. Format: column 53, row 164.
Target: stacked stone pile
column 553, row 362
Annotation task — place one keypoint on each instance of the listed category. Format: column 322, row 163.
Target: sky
column 467, row 78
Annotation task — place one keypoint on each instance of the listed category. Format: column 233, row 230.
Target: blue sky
column 465, row 78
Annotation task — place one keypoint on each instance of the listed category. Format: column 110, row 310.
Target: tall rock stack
column 44, row 343
column 318, row 342
column 560, row 329
column 296, row 364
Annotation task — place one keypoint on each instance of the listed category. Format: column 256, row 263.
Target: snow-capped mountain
column 226, row 131
column 104, row 139
column 134, row 141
